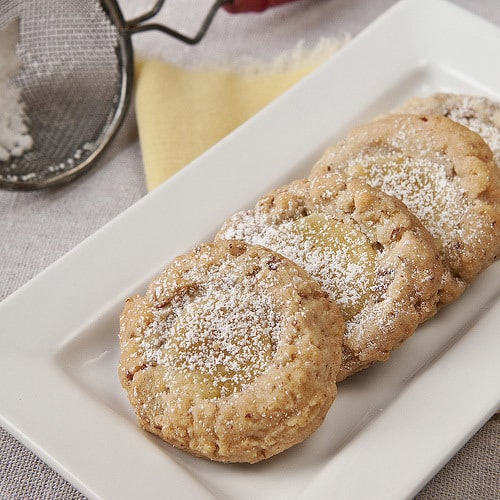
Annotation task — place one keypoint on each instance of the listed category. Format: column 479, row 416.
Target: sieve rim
column 125, row 57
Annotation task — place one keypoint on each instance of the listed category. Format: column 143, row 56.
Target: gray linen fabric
column 37, row 228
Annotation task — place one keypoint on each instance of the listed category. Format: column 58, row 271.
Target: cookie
column 232, row 353
column 480, row 114
column 366, row 250
column 444, row 173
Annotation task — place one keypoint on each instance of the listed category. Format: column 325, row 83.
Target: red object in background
column 252, row 5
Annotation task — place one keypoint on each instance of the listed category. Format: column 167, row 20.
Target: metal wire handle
column 135, row 26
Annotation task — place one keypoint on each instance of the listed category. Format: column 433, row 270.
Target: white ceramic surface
column 390, row 429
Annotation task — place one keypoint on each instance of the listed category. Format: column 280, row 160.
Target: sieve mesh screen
column 70, row 82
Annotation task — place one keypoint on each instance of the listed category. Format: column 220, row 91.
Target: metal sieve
column 76, row 80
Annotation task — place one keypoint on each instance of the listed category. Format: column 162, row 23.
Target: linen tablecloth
column 36, row 228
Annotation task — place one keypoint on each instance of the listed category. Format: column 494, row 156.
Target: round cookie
column 365, row 249
column 444, row 173
column 480, row 114
column 232, row 354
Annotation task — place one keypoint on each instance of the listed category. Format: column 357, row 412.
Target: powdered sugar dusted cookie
column 444, row 173
column 480, row 114
column 232, row 353
column 364, row 248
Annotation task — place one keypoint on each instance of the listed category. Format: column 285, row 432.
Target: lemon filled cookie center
column 425, row 187
column 220, row 340
column 335, row 253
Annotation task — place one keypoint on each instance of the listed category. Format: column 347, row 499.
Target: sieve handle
column 234, row 6
column 135, row 25
column 237, row 6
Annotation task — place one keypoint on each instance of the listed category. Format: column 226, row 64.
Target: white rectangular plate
column 400, row 420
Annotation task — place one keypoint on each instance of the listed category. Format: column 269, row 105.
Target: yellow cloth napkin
column 182, row 112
